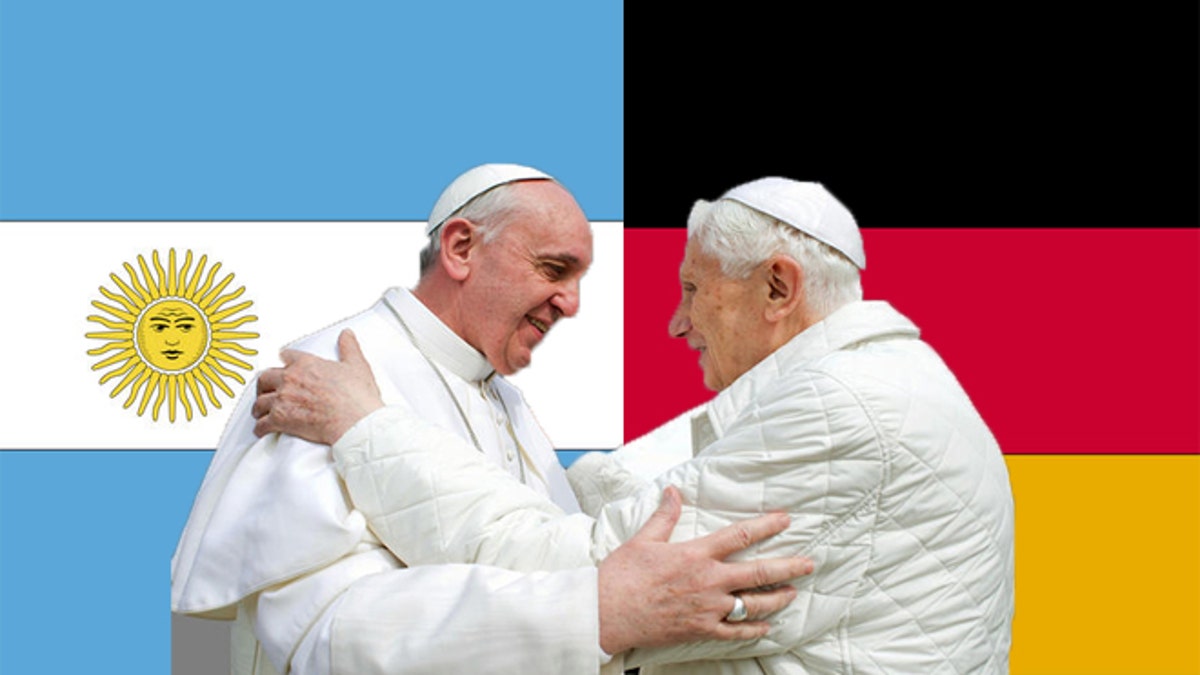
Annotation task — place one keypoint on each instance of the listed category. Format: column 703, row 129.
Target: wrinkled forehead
column 697, row 262
column 548, row 222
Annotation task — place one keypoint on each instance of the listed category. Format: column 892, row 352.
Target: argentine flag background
column 1026, row 180
column 293, row 143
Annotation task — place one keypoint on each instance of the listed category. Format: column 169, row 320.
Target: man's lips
column 537, row 323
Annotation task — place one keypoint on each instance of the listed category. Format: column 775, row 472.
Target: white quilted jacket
column 895, row 486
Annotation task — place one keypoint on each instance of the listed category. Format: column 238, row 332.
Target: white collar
column 853, row 323
column 436, row 339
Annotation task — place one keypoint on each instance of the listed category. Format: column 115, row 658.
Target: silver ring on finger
column 738, row 613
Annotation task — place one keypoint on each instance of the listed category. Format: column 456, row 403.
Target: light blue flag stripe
column 132, row 110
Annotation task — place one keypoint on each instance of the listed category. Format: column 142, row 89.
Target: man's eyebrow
column 566, row 258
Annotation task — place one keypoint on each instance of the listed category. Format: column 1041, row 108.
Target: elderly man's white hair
column 742, row 238
column 488, row 211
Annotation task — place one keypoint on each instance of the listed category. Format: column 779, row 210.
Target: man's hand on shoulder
column 654, row 593
column 314, row 398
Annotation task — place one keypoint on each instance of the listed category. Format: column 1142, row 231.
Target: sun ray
column 124, row 355
column 206, row 302
column 161, row 285
column 130, row 309
column 227, row 325
column 180, row 280
column 171, row 399
column 148, row 392
column 170, row 280
column 157, row 383
column 115, row 325
column 190, row 291
column 116, row 344
column 215, row 364
column 109, row 335
column 225, row 338
column 186, row 393
column 134, row 296
column 212, row 395
column 219, row 354
column 190, row 380
column 136, row 386
column 136, row 281
column 232, row 310
column 144, row 280
column 207, row 283
column 216, row 304
column 188, row 412
column 126, row 318
column 151, row 287
column 138, row 369
column 222, row 346
column 129, row 306
column 207, row 368
column 130, row 363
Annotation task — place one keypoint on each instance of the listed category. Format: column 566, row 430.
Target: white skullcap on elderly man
column 475, row 182
column 809, row 208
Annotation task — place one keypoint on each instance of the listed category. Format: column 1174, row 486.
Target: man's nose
column 680, row 322
column 567, row 300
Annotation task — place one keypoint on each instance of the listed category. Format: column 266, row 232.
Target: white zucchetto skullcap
column 475, row 182
column 808, row 207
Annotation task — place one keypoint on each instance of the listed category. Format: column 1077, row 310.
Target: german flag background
column 1026, row 175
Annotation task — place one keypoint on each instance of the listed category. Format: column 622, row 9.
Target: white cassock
column 273, row 540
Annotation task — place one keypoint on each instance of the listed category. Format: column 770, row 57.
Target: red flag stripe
column 1068, row 340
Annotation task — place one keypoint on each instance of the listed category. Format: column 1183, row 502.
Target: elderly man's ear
column 458, row 240
column 785, row 295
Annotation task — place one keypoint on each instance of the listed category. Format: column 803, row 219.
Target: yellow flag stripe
column 1108, row 564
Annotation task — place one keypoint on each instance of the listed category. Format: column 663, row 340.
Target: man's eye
column 553, row 272
column 158, row 327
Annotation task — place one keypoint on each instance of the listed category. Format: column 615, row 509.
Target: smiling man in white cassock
column 828, row 408
column 273, row 541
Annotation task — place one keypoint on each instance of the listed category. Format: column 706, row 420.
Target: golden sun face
column 172, row 335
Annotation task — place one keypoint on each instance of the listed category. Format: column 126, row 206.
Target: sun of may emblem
column 171, row 334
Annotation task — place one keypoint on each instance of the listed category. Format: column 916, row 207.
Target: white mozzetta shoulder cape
column 895, row 486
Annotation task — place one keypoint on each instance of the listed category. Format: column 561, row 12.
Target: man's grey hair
column 488, row 211
column 742, row 238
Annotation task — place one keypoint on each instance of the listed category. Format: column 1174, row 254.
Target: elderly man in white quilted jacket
column 828, row 408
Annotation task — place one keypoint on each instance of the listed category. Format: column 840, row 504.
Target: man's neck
column 793, row 325
column 433, row 292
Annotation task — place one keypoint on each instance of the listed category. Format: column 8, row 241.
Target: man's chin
column 513, row 364
column 711, row 383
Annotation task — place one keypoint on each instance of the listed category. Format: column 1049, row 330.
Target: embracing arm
column 652, row 592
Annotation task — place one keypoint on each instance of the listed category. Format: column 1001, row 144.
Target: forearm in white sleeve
column 458, row 618
column 432, row 498
column 599, row 478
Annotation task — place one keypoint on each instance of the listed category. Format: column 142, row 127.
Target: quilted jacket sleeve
column 432, row 498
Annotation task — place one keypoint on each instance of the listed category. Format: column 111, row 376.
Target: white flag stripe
column 299, row 277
